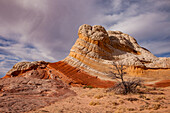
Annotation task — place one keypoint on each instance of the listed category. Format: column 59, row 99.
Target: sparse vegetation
column 98, row 96
column 88, row 86
column 156, row 106
column 123, row 87
column 92, row 103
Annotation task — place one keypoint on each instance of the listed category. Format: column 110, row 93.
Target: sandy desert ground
column 97, row 100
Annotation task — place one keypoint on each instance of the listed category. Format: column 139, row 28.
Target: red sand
column 162, row 83
column 79, row 77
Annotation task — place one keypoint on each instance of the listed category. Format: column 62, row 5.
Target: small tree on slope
column 123, row 87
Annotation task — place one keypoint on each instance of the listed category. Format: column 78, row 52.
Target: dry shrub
column 131, row 86
column 99, row 96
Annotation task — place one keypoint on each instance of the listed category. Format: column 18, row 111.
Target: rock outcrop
column 21, row 67
column 91, row 58
column 31, row 85
column 20, row 94
column 56, row 71
column 96, row 50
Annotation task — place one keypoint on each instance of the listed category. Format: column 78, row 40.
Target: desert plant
column 86, row 86
column 123, row 87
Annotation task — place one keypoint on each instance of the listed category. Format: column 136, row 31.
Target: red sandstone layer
column 78, row 77
column 65, row 72
column 163, row 83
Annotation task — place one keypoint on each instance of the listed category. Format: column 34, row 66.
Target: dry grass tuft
column 92, row 103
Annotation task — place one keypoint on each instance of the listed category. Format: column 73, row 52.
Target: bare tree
column 129, row 86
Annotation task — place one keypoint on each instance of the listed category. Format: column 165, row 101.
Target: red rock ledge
column 77, row 77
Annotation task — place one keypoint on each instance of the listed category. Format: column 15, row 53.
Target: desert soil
column 22, row 94
column 97, row 100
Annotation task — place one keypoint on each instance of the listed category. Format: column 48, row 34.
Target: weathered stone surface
column 31, row 85
column 40, row 73
column 77, row 77
column 96, row 32
column 93, row 54
column 22, row 94
column 95, row 50
column 22, row 67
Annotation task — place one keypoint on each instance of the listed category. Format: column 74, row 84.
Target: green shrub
column 88, row 86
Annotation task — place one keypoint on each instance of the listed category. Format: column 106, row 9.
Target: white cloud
column 51, row 26
column 117, row 5
column 6, row 64
column 158, row 47
column 26, row 53
column 48, row 25
column 149, row 25
column 144, row 20
column 17, row 53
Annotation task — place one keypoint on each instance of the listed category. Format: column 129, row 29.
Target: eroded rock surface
column 22, row 67
column 31, row 85
column 96, row 50
column 20, row 94
column 92, row 57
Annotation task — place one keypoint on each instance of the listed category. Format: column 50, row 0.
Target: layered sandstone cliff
column 97, row 49
column 91, row 58
column 59, row 71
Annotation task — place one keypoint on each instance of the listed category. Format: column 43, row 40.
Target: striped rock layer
column 59, row 71
column 91, row 59
column 97, row 49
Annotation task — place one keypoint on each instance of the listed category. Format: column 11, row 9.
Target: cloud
column 47, row 29
column 158, row 47
column 148, row 21
column 11, row 53
column 144, row 26
column 48, row 25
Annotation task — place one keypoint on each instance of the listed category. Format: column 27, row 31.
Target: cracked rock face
column 96, row 32
column 93, row 54
column 96, row 49
column 22, row 94
column 21, row 67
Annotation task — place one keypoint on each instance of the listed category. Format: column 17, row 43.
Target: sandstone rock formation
column 20, row 94
column 96, row 49
column 21, row 67
column 31, row 85
column 91, row 58
column 56, row 71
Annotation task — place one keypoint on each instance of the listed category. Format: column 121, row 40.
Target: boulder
column 22, row 67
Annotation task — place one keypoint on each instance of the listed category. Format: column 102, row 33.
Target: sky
column 33, row 30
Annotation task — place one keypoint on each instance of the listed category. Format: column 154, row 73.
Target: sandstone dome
column 91, row 58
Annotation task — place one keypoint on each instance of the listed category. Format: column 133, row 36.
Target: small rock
column 92, row 103
column 156, row 106
column 132, row 99
column 2, row 94
column 131, row 109
column 98, row 96
column 115, row 103
column 44, row 111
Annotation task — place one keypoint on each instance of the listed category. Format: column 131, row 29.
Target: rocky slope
column 91, row 57
column 56, row 71
column 32, row 85
column 21, row 94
